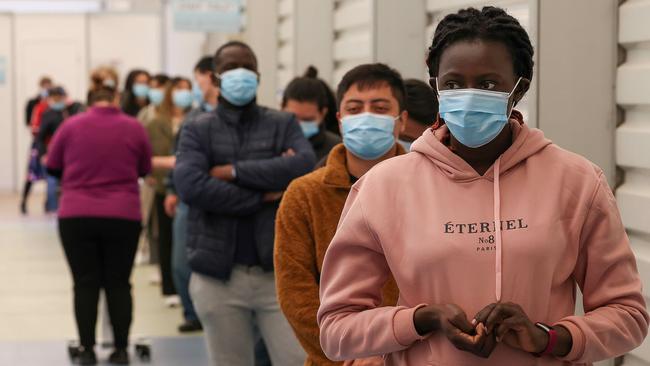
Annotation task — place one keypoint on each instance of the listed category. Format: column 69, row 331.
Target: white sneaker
column 172, row 301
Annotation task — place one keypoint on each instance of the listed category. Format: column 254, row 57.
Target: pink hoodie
column 429, row 219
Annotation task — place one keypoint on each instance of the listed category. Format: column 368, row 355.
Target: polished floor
column 36, row 297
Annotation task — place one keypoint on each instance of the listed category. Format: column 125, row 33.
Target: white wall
column 399, row 43
column 287, row 47
column 46, row 44
column 353, row 35
column 633, row 141
column 314, row 37
column 305, row 38
column 9, row 122
column 181, row 50
column 125, row 41
column 67, row 47
column 577, row 64
column 262, row 35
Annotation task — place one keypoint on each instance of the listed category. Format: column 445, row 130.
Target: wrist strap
column 552, row 339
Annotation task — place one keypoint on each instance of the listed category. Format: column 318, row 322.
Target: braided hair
column 490, row 23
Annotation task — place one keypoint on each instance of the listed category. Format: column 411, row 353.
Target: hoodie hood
column 434, row 144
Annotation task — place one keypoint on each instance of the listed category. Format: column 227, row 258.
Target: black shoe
column 23, row 208
column 190, row 326
column 86, row 356
column 119, row 357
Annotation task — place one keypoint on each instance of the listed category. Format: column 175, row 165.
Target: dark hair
column 161, row 79
column 490, row 23
column 204, row 65
column 133, row 74
column 241, row 44
column 307, row 88
column 371, row 75
column 56, row 91
column 331, row 121
column 102, row 93
column 421, row 102
column 129, row 103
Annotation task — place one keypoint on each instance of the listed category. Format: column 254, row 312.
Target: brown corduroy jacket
column 305, row 224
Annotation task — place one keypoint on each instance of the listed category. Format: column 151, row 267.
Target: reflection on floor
column 36, row 295
column 178, row 351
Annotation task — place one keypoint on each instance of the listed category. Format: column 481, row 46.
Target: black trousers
column 100, row 254
column 165, row 235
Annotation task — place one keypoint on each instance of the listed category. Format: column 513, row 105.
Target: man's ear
column 338, row 117
column 404, row 117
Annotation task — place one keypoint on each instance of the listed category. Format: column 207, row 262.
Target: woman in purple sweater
column 99, row 156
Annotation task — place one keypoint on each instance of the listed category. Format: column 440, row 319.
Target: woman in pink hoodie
column 487, row 228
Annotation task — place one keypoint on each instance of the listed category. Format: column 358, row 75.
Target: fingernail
column 474, row 322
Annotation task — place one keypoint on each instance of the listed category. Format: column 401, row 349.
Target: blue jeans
column 52, row 199
column 180, row 269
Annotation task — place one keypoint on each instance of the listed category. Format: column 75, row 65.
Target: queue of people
column 393, row 222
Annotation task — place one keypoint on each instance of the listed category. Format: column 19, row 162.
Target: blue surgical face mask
column 310, row 128
column 368, row 136
column 156, row 96
column 44, row 93
column 475, row 117
column 182, row 98
column 140, row 90
column 58, row 106
column 197, row 93
column 239, row 86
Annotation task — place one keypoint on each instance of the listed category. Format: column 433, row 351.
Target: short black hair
column 217, row 55
column 307, row 88
column 204, row 65
column 56, row 91
column 371, row 75
column 490, row 24
column 421, row 102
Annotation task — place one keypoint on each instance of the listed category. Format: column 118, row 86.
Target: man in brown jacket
column 371, row 113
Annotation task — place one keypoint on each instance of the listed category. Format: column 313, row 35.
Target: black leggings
column 165, row 235
column 100, row 252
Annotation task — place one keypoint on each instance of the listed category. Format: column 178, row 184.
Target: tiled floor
column 35, row 286
column 176, row 351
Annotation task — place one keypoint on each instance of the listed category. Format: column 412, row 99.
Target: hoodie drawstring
column 497, row 225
